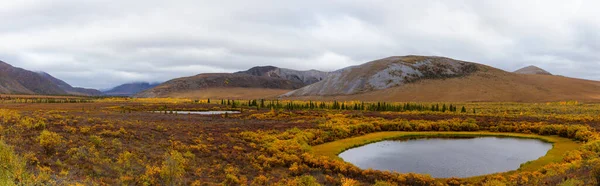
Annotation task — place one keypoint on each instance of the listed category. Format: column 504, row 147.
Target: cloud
column 101, row 44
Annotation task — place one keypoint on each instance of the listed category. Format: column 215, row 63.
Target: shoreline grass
column 556, row 154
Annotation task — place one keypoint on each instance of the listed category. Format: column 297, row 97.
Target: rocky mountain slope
column 204, row 82
column 532, row 70
column 70, row 89
column 386, row 73
column 438, row 79
column 306, row 77
column 130, row 89
column 15, row 80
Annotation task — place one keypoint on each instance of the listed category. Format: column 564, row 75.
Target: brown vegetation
column 223, row 80
column 490, row 86
column 229, row 93
column 118, row 141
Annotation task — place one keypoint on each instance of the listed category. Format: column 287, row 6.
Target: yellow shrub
column 349, row 182
column 260, row 180
column 173, row 168
column 50, row 140
column 9, row 116
column 85, row 130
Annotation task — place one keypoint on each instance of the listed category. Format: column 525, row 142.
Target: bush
column 50, row 140
column 173, row 168
column 31, row 123
column 13, row 167
column 308, row 181
column 596, row 174
column 572, row 182
column 384, row 183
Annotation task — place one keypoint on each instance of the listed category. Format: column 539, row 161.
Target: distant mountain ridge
column 260, row 80
column 532, row 70
column 14, row 80
column 130, row 89
column 396, row 78
column 218, row 80
column 306, row 77
column 20, row 81
column 70, row 89
column 385, row 73
column 441, row 79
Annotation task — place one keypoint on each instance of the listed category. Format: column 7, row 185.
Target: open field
column 119, row 141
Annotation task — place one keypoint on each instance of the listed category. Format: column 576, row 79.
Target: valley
column 108, row 141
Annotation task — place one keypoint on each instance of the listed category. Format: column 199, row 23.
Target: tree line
column 339, row 105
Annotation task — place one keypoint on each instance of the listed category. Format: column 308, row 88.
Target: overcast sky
column 100, row 44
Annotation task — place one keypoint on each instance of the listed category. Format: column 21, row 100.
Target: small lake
column 201, row 112
column 448, row 157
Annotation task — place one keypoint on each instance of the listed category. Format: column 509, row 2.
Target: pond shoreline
column 555, row 154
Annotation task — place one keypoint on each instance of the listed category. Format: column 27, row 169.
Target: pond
column 448, row 157
column 201, row 112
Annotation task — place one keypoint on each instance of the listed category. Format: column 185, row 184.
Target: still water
column 448, row 157
column 201, row 112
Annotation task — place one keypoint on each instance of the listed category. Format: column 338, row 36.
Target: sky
column 104, row 43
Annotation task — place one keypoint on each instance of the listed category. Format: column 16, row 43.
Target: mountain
column 306, row 77
column 222, row 85
column 15, row 80
column 385, row 73
column 440, row 79
column 70, row 89
column 532, row 70
column 130, row 89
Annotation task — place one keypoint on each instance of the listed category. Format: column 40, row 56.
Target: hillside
column 70, row 89
column 532, row 70
column 386, row 73
column 200, row 84
column 306, row 77
column 15, row 80
column 130, row 89
column 483, row 84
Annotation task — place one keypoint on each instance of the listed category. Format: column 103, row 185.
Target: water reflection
column 443, row 158
column 200, row 112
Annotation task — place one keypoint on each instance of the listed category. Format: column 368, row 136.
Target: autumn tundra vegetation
column 128, row 141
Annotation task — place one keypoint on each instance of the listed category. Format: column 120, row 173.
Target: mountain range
column 396, row 78
column 129, row 89
column 14, row 80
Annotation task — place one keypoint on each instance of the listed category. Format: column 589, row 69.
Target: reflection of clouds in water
column 448, row 157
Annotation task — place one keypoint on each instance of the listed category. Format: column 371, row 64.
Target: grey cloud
column 100, row 43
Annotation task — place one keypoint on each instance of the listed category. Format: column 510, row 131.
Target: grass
column 556, row 154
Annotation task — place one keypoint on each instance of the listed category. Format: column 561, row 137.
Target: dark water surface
column 202, row 112
column 448, row 157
